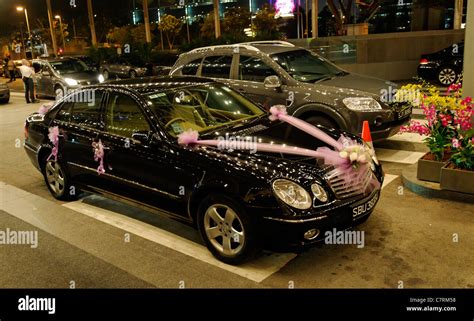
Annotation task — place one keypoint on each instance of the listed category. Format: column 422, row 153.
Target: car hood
column 266, row 165
column 363, row 83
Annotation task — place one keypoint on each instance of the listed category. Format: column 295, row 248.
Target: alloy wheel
column 447, row 76
column 224, row 229
column 59, row 92
column 55, row 177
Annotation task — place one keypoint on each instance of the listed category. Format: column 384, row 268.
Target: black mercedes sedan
column 444, row 66
column 124, row 145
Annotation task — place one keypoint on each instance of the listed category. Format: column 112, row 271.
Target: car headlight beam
column 292, row 194
column 362, row 104
column 71, row 82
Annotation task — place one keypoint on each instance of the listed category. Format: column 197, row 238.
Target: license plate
column 404, row 113
column 363, row 208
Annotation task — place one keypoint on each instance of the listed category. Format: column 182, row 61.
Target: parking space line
column 256, row 270
column 388, row 179
column 398, row 156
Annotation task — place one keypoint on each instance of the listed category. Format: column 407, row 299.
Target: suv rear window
column 216, row 66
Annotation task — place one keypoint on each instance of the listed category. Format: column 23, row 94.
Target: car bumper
column 427, row 71
column 381, row 126
column 279, row 233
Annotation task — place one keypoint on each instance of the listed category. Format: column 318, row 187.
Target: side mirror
column 272, row 82
column 142, row 137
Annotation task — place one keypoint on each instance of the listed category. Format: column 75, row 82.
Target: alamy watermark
column 232, row 143
column 13, row 237
column 335, row 237
column 79, row 96
column 394, row 95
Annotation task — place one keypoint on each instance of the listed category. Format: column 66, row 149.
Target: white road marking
column 256, row 270
column 388, row 179
column 398, row 156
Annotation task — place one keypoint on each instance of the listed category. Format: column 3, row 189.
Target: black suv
column 314, row 89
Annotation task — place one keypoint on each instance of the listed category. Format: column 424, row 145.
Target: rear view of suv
column 314, row 89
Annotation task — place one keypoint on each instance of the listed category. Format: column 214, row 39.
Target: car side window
column 124, row 116
column 216, row 67
column 254, row 69
column 86, row 108
column 64, row 112
column 191, row 68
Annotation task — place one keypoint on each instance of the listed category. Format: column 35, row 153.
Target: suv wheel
column 133, row 74
column 227, row 230
column 322, row 120
column 106, row 74
column 58, row 92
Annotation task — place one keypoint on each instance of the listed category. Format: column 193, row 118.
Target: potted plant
column 439, row 129
column 458, row 174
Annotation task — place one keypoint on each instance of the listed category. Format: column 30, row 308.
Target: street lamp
column 19, row 9
column 61, row 30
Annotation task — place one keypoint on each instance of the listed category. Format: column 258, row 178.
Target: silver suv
column 314, row 89
column 56, row 77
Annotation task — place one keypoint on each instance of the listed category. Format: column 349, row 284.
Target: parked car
column 238, row 200
column 314, row 89
column 57, row 76
column 123, row 67
column 90, row 63
column 4, row 93
column 444, row 66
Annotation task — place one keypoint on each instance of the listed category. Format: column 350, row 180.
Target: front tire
column 133, row 74
column 106, row 74
column 228, row 231
column 58, row 92
column 58, row 181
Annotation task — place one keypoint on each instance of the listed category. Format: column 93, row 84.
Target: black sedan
column 444, row 66
column 240, row 200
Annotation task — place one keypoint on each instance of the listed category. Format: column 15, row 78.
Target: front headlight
column 71, row 82
column 101, row 79
column 361, row 104
column 319, row 193
column 292, row 194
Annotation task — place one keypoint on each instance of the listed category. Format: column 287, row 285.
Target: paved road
column 98, row 243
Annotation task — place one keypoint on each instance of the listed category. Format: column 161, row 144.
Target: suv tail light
column 424, row 61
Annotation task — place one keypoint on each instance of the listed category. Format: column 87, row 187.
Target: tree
column 170, row 26
column 208, row 27
column 265, row 24
column 236, row 20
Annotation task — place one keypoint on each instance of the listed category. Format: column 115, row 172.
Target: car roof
column 147, row 84
column 267, row 47
column 54, row 59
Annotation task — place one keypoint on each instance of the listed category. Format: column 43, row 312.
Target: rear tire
column 447, row 75
column 228, row 231
column 106, row 74
column 58, row 181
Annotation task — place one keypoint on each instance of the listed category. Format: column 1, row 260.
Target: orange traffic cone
column 366, row 133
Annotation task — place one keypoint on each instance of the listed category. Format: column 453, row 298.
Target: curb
column 429, row 189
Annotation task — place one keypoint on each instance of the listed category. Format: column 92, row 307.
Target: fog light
column 311, row 234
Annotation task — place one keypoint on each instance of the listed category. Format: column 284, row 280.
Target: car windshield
column 68, row 66
column 306, row 66
column 201, row 108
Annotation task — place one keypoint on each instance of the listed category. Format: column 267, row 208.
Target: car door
column 79, row 122
column 252, row 72
column 38, row 78
column 138, row 163
column 47, row 79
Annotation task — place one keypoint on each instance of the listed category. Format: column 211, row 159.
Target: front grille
column 344, row 190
